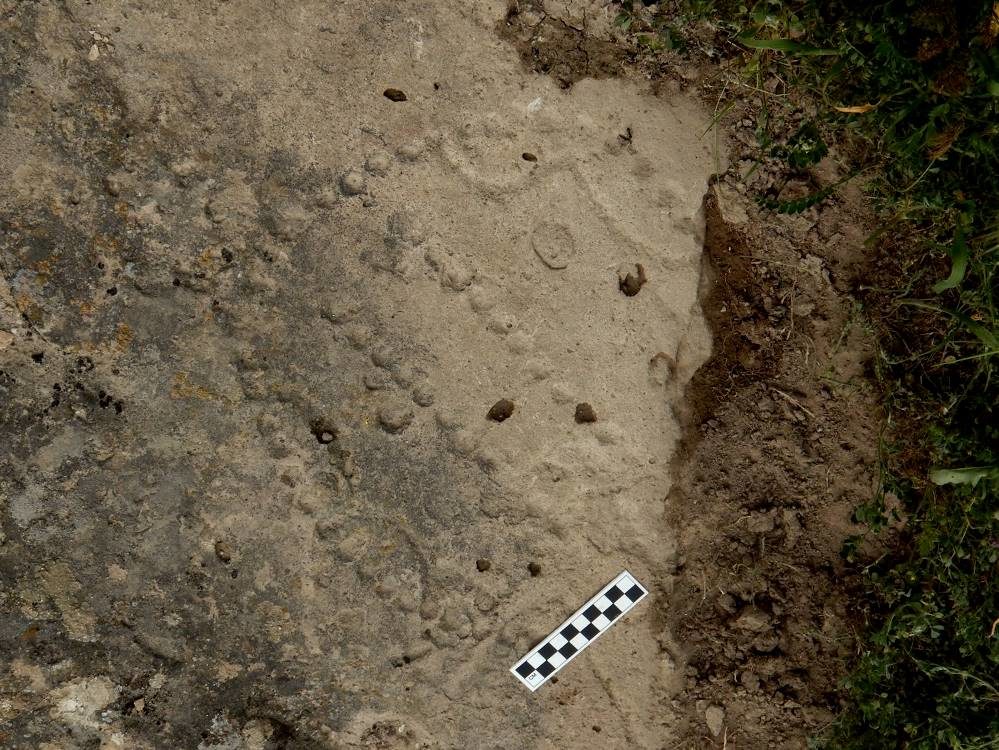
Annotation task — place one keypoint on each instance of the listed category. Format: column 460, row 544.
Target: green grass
column 911, row 90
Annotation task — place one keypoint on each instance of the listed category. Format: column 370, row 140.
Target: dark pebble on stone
column 223, row 551
column 501, row 410
column 631, row 283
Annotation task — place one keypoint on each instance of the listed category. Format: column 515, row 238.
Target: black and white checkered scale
column 587, row 624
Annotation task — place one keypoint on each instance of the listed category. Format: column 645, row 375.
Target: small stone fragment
column 585, row 413
column 528, row 156
column 714, row 717
column 396, row 95
column 394, row 419
column 631, row 279
column 534, row 569
column 353, row 183
column 501, row 410
column 482, row 564
column 223, row 551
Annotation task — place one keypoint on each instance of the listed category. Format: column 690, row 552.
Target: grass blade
column 959, row 256
column 788, row 46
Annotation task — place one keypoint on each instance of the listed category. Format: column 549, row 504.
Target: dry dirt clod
column 501, row 410
column 585, row 414
column 396, row 95
column 631, row 279
column 754, row 620
column 483, row 564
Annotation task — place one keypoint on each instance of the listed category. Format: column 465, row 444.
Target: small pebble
column 585, row 413
column 396, row 95
column 482, row 564
column 714, row 717
column 534, row 569
column 528, row 156
column 223, row 551
column 501, row 410
column 630, row 280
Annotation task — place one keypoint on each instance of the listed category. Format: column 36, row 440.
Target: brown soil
column 553, row 44
column 780, row 447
